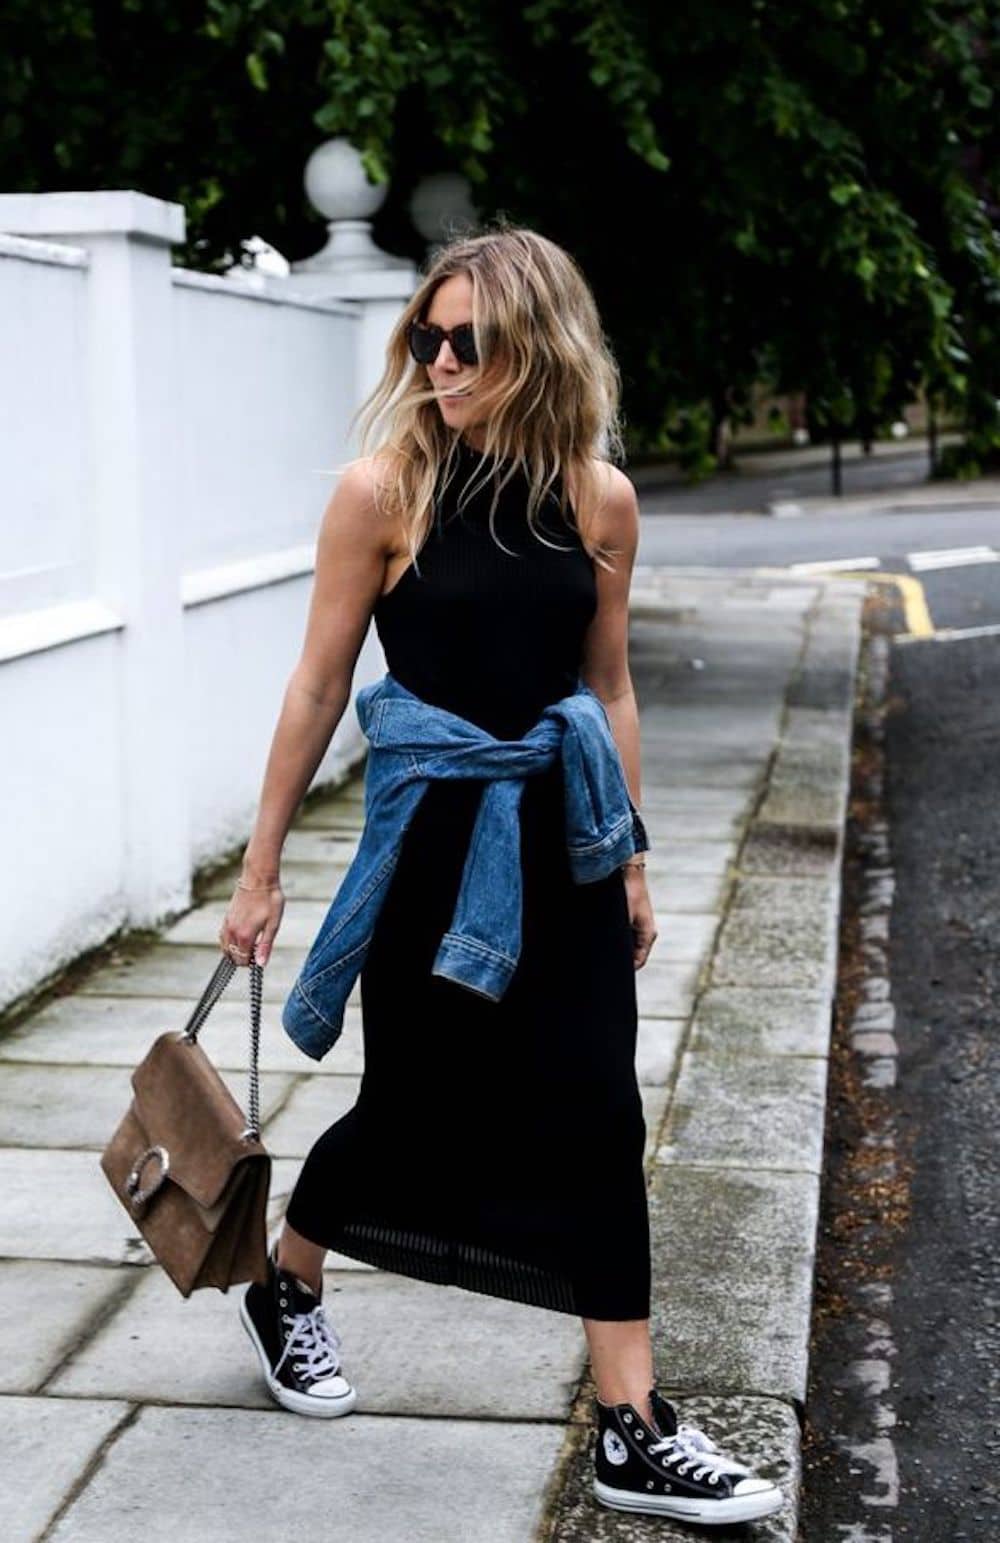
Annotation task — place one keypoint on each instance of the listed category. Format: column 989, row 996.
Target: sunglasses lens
column 424, row 342
column 463, row 341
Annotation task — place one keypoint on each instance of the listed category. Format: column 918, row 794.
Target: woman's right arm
column 351, row 552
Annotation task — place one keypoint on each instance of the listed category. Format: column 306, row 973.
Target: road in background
column 762, row 477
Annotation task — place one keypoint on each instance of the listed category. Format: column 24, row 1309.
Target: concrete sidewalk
column 128, row 1412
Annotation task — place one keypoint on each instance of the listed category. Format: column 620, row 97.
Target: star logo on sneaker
column 615, row 1449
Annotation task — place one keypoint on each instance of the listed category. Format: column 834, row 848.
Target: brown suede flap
column 185, row 1106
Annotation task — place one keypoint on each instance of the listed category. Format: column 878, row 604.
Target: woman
column 495, row 1144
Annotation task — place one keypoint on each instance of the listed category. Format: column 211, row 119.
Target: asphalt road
column 945, row 548
column 903, row 1434
column 902, row 1428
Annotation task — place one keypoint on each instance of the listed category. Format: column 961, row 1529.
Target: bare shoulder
column 354, row 510
column 617, row 514
column 359, row 484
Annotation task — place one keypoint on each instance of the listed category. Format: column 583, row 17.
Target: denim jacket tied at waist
column 411, row 743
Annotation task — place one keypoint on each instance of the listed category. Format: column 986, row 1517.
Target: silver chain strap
column 221, row 976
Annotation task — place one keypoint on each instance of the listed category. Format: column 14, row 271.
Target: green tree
column 798, row 195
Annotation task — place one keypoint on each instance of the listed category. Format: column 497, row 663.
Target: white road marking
column 951, row 634
column 952, row 557
column 829, row 564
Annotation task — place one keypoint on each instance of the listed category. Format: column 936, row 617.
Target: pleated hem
column 446, row 1262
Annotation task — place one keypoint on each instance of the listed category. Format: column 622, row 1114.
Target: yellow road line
column 911, row 593
column 916, row 612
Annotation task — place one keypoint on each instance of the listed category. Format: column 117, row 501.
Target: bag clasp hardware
column 137, row 1195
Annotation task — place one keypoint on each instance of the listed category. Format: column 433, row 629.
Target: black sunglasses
column 425, row 341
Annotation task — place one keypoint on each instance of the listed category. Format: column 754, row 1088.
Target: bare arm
column 605, row 670
column 351, row 552
column 605, row 653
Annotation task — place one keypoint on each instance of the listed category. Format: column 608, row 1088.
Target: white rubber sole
column 298, row 1403
column 710, row 1513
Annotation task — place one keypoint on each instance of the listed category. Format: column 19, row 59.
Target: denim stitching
column 473, row 946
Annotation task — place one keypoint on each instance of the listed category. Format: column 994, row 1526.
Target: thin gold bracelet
column 257, row 889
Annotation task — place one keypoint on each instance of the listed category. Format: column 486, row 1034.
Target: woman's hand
column 251, row 922
column 640, row 910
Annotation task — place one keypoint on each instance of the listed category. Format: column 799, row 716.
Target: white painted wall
column 167, row 445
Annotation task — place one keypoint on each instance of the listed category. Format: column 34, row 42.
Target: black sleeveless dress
column 496, row 1146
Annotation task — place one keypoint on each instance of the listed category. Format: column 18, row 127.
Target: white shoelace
column 691, row 1448
column 315, row 1341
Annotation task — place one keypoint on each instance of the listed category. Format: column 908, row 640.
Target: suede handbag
column 190, row 1170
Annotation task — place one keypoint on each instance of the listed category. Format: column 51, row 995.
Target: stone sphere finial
column 441, row 207
column 337, row 186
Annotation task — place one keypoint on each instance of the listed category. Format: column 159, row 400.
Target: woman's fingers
column 248, row 929
column 643, row 931
column 265, row 941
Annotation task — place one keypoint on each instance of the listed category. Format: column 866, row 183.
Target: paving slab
column 683, row 937
column 760, row 1431
column 410, row 1347
column 46, row 1105
column 342, row 811
column 686, row 767
column 689, row 824
column 118, row 1031
column 732, row 1264
column 767, row 1021
column 371, row 1478
column 46, row 1446
column 658, row 1048
column 806, row 786
column 300, row 923
column 677, row 858
column 666, row 990
column 319, row 846
column 685, row 892
column 59, row 1205
column 679, row 798
column 44, row 1309
column 775, row 850
column 315, row 1104
column 779, row 932
column 745, row 729
column 654, row 1107
column 732, row 1111
column 183, row 970
column 299, row 880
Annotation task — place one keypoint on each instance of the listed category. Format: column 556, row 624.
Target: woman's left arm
column 605, row 670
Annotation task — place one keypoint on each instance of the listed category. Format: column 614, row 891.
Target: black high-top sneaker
column 297, row 1346
column 673, row 1470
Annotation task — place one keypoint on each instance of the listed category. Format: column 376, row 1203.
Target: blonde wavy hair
column 547, row 380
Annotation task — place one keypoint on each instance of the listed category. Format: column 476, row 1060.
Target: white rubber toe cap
column 754, row 1487
column 330, row 1387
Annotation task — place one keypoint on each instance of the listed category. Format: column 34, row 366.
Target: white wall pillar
column 137, row 568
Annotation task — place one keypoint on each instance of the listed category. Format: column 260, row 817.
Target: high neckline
column 470, row 450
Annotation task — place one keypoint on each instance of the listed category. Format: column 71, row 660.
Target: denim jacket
column 412, row 742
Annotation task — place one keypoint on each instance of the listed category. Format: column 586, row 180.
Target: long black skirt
column 496, row 1146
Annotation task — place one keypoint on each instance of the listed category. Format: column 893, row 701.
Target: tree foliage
column 795, row 194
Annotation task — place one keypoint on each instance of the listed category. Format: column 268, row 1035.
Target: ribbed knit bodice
column 492, row 636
